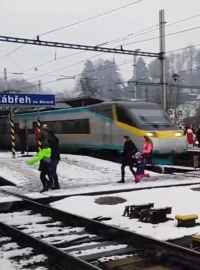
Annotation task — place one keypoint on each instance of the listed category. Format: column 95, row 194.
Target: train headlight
column 178, row 134
column 151, row 134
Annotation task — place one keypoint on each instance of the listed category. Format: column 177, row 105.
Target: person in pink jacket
column 147, row 149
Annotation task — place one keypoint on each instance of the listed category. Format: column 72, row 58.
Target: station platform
column 80, row 175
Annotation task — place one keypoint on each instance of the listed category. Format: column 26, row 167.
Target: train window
column 151, row 116
column 76, row 126
column 105, row 110
column 56, row 126
column 123, row 116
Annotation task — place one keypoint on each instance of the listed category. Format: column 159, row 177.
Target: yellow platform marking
column 187, row 217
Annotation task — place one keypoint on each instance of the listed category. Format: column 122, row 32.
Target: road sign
column 13, row 100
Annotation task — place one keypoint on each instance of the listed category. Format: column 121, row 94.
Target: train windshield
column 151, row 116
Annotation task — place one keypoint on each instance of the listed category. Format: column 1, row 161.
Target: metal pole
column 135, row 74
column 12, row 123
column 176, row 101
column 162, row 57
column 38, row 119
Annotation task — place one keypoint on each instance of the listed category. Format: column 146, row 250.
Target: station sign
column 26, row 100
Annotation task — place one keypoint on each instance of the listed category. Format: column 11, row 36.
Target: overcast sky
column 25, row 18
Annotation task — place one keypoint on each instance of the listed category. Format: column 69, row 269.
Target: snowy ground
column 183, row 201
column 73, row 171
column 79, row 174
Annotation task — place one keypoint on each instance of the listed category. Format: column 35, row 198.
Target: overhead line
column 170, row 34
column 73, row 24
column 92, row 18
column 113, row 41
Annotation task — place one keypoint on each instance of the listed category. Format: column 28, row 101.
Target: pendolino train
column 102, row 126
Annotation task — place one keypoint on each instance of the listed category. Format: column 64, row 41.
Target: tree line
column 103, row 78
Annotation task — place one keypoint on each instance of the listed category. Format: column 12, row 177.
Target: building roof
column 81, row 101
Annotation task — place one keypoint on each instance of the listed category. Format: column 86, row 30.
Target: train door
column 107, row 118
column 107, row 133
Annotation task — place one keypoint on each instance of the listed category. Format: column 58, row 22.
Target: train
column 102, row 127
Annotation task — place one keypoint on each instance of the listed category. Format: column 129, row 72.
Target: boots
column 45, row 188
column 121, row 181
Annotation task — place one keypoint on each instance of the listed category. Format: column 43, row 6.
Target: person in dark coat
column 22, row 134
column 198, row 135
column 43, row 136
column 128, row 153
column 44, row 157
column 55, row 158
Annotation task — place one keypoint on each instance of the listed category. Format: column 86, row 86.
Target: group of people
column 49, row 157
column 132, row 157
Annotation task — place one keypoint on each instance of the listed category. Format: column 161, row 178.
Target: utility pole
column 163, row 57
column 39, row 92
column 5, row 79
column 135, row 72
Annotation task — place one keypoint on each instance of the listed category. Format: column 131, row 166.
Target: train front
column 149, row 119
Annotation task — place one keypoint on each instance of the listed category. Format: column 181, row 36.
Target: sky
column 28, row 19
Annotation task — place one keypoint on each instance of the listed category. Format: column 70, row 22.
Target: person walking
column 128, row 153
column 147, row 150
column 44, row 156
column 55, row 158
column 43, row 136
column 22, row 134
column 198, row 136
column 140, row 166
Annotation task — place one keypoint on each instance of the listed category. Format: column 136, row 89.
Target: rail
column 181, row 255
column 62, row 258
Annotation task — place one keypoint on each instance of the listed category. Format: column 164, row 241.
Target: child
column 44, row 156
column 140, row 166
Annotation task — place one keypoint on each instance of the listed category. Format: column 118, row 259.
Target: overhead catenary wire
column 120, row 63
column 116, row 40
column 186, row 30
column 144, row 31
column 140, row 32
column 76, row 23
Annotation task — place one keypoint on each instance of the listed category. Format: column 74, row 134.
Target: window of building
column 123, row 116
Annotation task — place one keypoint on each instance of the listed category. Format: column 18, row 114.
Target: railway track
column 15, row 256
column 80, row 243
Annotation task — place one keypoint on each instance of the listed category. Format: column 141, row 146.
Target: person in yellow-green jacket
column 44, row 156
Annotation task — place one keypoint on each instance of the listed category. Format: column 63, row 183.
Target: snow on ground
column 73, row 171
column 183, row 201
column 7, row 264
column 79, row 174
